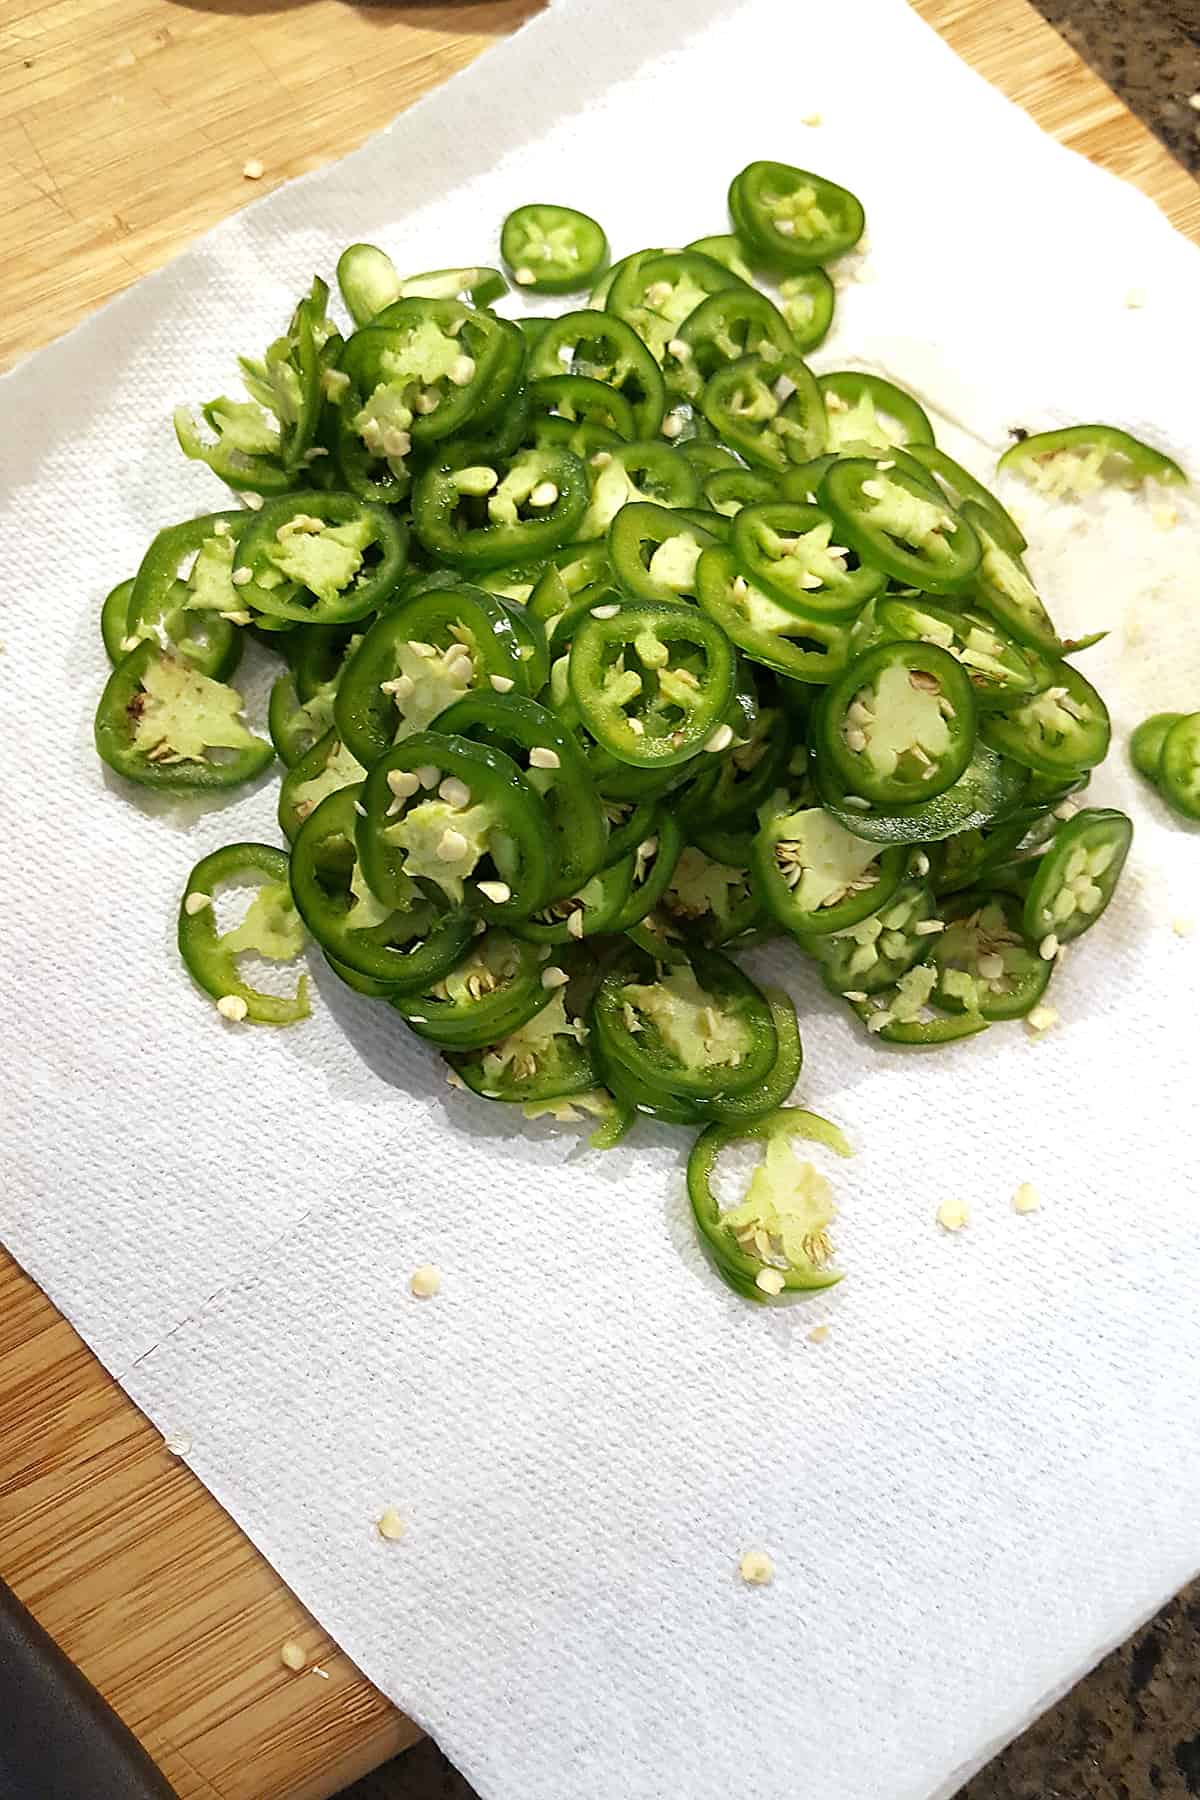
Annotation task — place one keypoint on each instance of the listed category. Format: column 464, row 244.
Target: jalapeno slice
column 746, row 775
column 727, row 490
column 739, row 321
column 814, row 876
column 712, row 902
column 322, row 770
column 791, row 217
column 900, row 1014
column 1003, row 588
column 183, row 598
column 1001, row 672
column 807, row 649
column 163, row 724
column 775, row 1244
column 1059, row 732
column 480, row 517
column 960, row 486
column 806, row 301
column 775, row 1089
column 579, row 399
column 984, row 964
column 459, row 818
column 872, row 955
column 549, row 1057
column 657, row 295
column 866, row 409
column 550, row 762
column 990, row 788
column 494, row 990
column 768, row 408
column 1077, row 876
column 422, row 370
column 408, row 945
column 604, row 347
column 651, row 682
column 1179, row 766
column 270, row 928
column 654, row 552
column 419, row 658
column 552, row 249
column 700, row 1030
column 1079, row 459
column 900, row 522
column 323, row 559
column 898, row 726
column 788, row 549
column 629, row 473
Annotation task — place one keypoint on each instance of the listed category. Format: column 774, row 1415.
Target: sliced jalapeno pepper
column 701, row 1030
column 322, row 770
column 775, row 1244
column 495, row 989
column 1060, row 731
column 477, row 517
column 961, row 486
column 643, row 471
column 792, row 218
column 163, row 724
column 656, row 296
column 114, row 622
column 715, row 902
column 591, row 912
column 769, row 409
column 271, row 927
column 196, row 616
column 991, row 787
column 899, row 1015
column 737, row 322
column 604, row 347
column 1080, row 458
column 815, row 877
column 458, row 816
column 548, row 758
column 900, row 522
column 425, row 369
column 806, row 301
column 654, row 552
column 654, row 863
column 1002, row 587
column 1077, row 877
column 983, row 962
column 775, row 1089
column 369, row 282
column 1179, row 766
column 552, row 249
column 788, row 549
column 873, row 954
column 725, row 249
column 322, row 559
column 898, row 726
column 727, row 490
column 579, row 399
column 295, row 726
column 1001, row 672
column 746, row 776
column 409, row 945
column 550, row 1057
column 419, row 658
column 651, row 682
column 809, row 650
column 866, row 409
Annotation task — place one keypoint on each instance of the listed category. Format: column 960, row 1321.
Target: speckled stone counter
column 1131, row 1729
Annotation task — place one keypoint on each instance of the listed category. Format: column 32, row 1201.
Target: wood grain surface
column 124, row 128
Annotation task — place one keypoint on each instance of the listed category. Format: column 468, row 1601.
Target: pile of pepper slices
column 612, row 643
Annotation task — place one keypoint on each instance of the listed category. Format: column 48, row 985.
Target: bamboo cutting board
column 124, row 129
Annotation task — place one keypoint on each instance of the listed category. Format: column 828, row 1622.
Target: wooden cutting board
column 124, row 129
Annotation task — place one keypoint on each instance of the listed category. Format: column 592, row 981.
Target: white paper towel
column 991, row 1470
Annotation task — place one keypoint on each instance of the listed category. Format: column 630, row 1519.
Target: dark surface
column 58, row 1739
column 1131, row 1730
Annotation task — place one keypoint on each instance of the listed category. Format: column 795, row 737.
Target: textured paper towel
column 990, row 1471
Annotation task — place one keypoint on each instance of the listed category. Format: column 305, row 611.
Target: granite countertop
column 1131, row 1729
